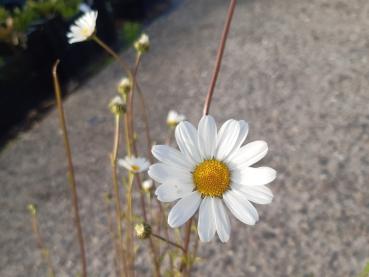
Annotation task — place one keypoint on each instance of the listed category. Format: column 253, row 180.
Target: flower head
column 83, row 28
column 142, row 45
column 174, row 118
column 134, row 164
column 211, row 169
column 147, row 184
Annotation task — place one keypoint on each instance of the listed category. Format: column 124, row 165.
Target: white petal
column 124, row 163
column 171, row 192
column 240, row 207
column 251, row 176
column 250, row 153
column 244, row 130
column 164, row 173
column 142, row 163
column 207, row 131
column 227, row 138
column 206, row 226
column 256, row 194
column 171, row 156
column 221, row 219
column 184, row 209
column 186, row 137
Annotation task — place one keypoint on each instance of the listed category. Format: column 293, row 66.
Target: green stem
column 118, row 209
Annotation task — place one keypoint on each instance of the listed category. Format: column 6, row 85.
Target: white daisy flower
column 83, row 28
column 212, row 169
column 174, row 118
column 134, row 164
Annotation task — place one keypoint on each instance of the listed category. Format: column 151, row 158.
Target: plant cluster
column 212, row 172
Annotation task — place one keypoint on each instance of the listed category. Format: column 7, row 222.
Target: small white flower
column 147, row 184
column 134, row 164
column 174, row 118
column 211, row 169
column 142, row 44
column 83, row 28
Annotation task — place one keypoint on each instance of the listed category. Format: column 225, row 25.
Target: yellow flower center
column 212, row 178
column 135, row 168
column 85, row 32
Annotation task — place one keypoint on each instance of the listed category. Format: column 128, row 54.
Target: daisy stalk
column 118, row 209
column 71, row 177
column 207, row 104
column 129, row 132
column 129, row 235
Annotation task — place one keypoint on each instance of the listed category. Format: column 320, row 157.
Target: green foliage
column 3, row 15
column 130, row 32
column 15, row 24
column 46, row 8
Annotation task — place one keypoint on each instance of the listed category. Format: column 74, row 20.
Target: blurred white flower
column 174, row 118
column 83, row 28
column 142, row 45
column 147, row 184
column 210, row 169
column 134, row 164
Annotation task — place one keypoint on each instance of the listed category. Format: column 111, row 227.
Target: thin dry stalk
column 45, row 254
column 71, row 177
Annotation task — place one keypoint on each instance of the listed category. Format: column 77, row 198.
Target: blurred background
column 297, row 71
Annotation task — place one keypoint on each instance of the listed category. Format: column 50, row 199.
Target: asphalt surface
column 297, row 71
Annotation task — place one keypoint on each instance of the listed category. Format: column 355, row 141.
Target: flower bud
column 142, row 45
column 174, row 118
column 147, row 185
column 117, row 106
column 124, row 86
column 143, row 230
column 32, row 209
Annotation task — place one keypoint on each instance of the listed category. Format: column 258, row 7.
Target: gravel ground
column 297, row 71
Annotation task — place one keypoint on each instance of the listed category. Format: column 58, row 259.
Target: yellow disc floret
column 212, row 178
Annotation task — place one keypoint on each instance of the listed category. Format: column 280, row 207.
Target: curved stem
column 114, row 55
column 219, row 57
column 71, row 177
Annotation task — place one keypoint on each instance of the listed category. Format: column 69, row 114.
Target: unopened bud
column 32, row 209
column 142, row 45
column 117, row 106
column 174, row 118
column 147, row 185
column 124, row 86
column 143, row 230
